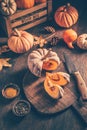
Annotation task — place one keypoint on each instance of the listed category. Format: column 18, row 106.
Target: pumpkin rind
column 36, row 59
column 25, row 4
column 8, row 7
column 82, row 41
column 66, row 16
column 20, row 41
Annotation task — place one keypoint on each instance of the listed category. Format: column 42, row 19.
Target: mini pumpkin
column 20, row 41
column 39, row 57
column 69, row 36
column 8, row 7
column 82, row 41
column 24, row 4
column 66, row 16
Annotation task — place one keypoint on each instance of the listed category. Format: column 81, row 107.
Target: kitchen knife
column 79, row 105
column 80, row 81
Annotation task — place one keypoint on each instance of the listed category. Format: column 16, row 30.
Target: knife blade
column 80, row 81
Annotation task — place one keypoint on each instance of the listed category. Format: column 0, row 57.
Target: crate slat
column 27, row 11
column 25, row 27
column 27, row 19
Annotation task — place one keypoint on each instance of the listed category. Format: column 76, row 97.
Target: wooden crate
column 25, row 19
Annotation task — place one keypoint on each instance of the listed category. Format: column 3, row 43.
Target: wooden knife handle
column 81, row 85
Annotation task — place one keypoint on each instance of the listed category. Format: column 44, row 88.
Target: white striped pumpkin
column 20, row 41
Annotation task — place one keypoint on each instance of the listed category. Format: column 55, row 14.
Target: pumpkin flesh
column 52, row 91
column 50, row 65
column 57, row 78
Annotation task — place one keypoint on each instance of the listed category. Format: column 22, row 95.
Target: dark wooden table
column 65, row 120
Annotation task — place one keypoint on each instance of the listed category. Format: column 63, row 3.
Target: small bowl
column 21, row 108
column 10, row 91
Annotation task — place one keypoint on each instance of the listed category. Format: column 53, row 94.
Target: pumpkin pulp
column 50, row 64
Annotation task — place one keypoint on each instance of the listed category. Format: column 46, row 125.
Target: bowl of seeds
column 21, row 108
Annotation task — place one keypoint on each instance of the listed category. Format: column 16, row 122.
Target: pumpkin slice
column 53, row 90
column 59, row 78
column 50, row 65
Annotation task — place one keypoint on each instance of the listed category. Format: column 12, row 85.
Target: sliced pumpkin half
column 52, row 90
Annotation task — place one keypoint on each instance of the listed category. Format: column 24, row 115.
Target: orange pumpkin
column 69, row 36
column 40, row 1
column 66, row 16
column 20, row 41
column 24, row 4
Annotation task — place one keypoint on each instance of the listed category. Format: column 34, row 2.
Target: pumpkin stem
column 66, row 7
column 46, row 54
column 17, row 32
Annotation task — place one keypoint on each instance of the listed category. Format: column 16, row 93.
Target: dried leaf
column 4, row 48
column 4, row 63
column 50, row 29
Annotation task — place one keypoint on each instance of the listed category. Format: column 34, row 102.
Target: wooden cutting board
column 35, row 93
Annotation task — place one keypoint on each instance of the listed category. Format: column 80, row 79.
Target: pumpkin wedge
column 53, row 90
column 59, row 78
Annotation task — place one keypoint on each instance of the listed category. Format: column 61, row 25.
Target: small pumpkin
column 8, row 7
column 66, row 16
column 38, row 58
column 53, row 90
column 82, row 41
column 59, row 78
column 24, row 4
column 69, row 36
column 20, row 41
column 40, row 1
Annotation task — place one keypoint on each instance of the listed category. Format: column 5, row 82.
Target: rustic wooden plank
column 25, row 27
column 27, row 11
column 27, row 19
column 8, row 26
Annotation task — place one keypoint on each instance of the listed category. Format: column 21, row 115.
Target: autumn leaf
column 4, row 63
